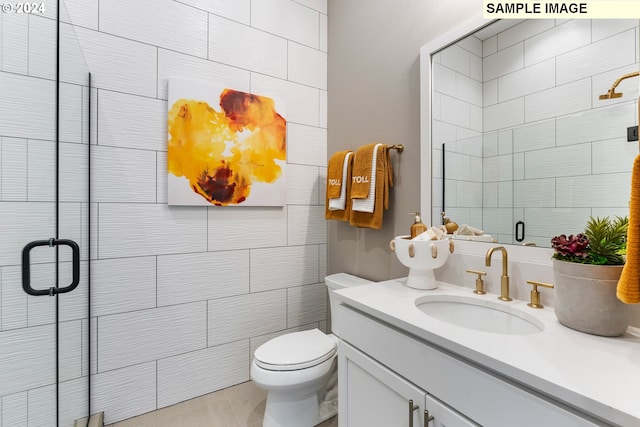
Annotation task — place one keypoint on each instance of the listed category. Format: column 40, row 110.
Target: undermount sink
column 479, row 314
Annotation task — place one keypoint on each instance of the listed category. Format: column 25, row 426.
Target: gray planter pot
column 586, row 298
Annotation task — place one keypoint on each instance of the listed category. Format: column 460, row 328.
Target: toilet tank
column 338, row 281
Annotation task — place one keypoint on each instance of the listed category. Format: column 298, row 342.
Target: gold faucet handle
column 535, row 293
column 479, row 282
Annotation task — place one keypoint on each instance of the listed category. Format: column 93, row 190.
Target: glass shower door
column 44, row 224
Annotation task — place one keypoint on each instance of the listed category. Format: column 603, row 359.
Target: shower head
column 611, row 93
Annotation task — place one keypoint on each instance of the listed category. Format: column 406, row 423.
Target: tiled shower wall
column 549, row 144
column 183, row 295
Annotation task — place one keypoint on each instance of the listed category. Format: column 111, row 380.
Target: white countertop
column 599, row 375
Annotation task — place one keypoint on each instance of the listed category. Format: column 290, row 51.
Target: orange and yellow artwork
column 225, row 147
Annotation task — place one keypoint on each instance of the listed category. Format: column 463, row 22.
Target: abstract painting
column 225, row 147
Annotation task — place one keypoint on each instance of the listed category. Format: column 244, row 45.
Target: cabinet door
column 444, row 416
column 373, row 396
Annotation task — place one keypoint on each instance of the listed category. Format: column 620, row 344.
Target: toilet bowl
column 299, row 371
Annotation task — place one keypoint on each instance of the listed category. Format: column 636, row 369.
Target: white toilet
column 299, row 371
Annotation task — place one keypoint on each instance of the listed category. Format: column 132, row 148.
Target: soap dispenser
column 417, row 227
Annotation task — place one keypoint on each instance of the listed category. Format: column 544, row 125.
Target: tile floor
column 238, row 406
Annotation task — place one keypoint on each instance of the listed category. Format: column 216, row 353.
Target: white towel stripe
column 338, row 204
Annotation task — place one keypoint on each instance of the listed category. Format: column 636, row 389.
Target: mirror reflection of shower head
column 611, row 93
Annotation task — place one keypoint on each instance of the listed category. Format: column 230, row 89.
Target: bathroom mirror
column 516, row 140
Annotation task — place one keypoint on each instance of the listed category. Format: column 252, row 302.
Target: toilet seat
column 295, row 351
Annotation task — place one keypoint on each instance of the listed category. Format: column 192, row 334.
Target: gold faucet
column 504, row 280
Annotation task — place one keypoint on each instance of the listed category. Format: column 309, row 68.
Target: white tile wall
column 129, row 121
column 306, row 225
column 125, row 393
column 179, row 65
column 319, row 5
column 536, row 136
column 120, row 285
column 610, row 189
column 307, row 65
column 288, row 20
column 527, row 80
column 119, row 64
column 42, row 47
column 598, row 124
column 148, row 229
column 187, row 25
column 244, row 316
column 257, row 228
column 238, row 10
column 28, row 100
column 561, row 161
column 41, row 406
column 193, row 374
column 123, row 175
column 28, row 364
column 83, row 13
column 612, row 52
column 278, row 268
column 522, row 31
column 15, row 44
column 457, row 59
column 602, row 28
column 300, row 103
column 159, row 332
column 306, row 304
column 563, row 38
column 532, row 193
column 566, row 99
column 503, row 62
column 505, row 114
column 202, row 276
column 14, row 410
column 306, row 145
column 162, row 277
column 303, row 186
column 14, row 174
column 244, row 47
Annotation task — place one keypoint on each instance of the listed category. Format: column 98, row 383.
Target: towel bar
column 398, row 147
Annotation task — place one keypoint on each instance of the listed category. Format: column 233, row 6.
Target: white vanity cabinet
column 382, row 367
column 373, row 396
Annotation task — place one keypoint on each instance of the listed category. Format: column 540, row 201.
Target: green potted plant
column 586, row 269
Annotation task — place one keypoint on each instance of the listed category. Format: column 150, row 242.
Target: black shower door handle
column 26, row 266
column 519, row 231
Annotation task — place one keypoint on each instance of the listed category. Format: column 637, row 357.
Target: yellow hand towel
column 334, row 174
column 384, row 172
column 362, row 169
column 629, row 284
column 342, row 215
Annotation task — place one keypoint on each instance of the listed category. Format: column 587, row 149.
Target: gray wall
column 374, row 95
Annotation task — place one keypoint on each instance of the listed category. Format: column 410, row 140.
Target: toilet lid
column 296, row 350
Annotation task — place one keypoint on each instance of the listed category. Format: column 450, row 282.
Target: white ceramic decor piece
column 421, row 256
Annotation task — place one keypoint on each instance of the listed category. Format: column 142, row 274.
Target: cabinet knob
column 479, row 282
column 535, row 293
column 412, row 407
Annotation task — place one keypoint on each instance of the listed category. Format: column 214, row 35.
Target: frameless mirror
column 521, row 145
